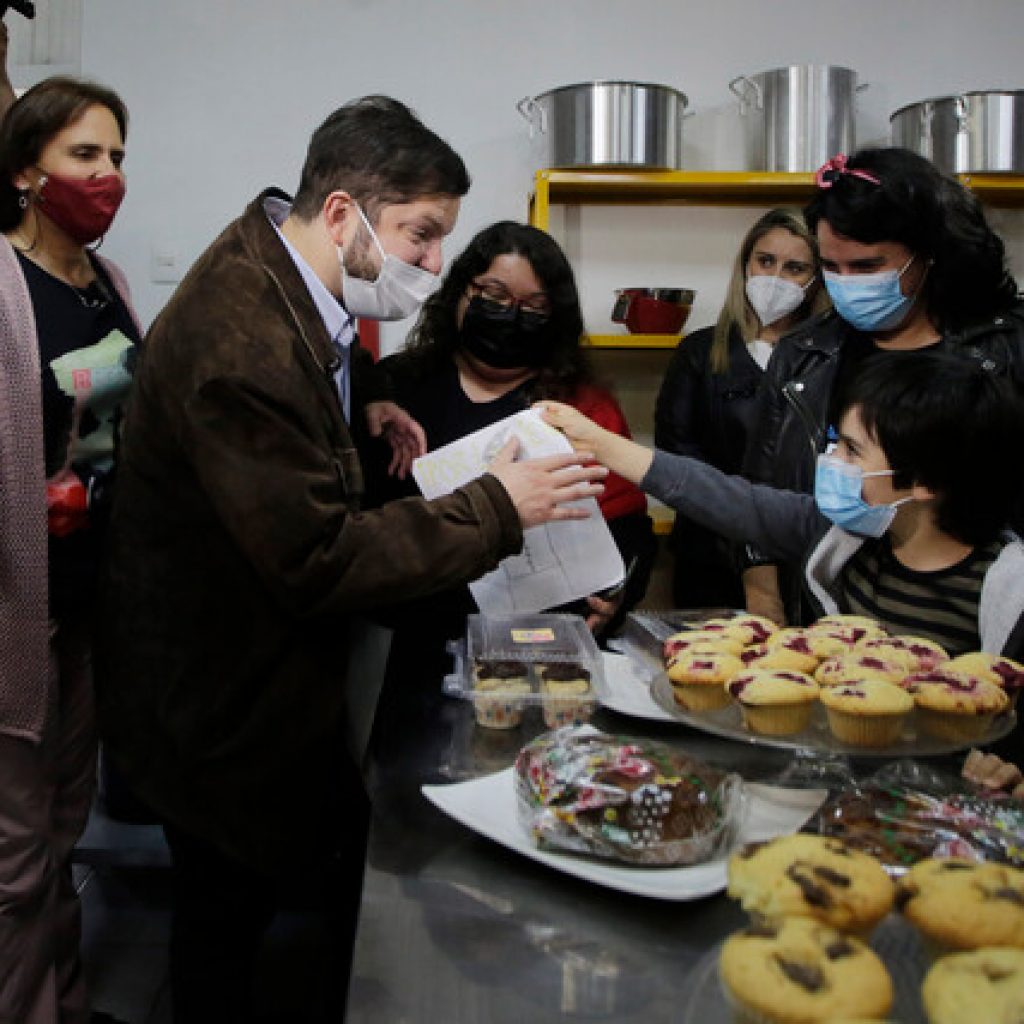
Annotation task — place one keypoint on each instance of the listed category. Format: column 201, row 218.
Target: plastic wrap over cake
column 637, row 801
column 907, row 812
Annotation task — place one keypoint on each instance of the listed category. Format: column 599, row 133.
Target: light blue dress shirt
column 340, row 325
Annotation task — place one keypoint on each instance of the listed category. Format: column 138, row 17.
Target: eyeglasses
column 537, row 306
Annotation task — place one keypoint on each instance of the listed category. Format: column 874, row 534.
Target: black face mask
column 504, row 337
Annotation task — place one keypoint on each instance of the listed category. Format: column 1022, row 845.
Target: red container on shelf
column 652, row 310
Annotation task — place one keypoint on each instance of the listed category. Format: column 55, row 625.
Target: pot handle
column 861, row 86
column 742, row 95
column 927, row 116
column 960, row 111
column 533, row 112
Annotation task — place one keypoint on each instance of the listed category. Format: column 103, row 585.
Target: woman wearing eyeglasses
column 67, row 342
column 504, row 330
column 909, row 262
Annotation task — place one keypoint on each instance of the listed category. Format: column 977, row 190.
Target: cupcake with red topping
column 774, row 703
column 698, row 679
column 867, row 714
column 750, row 629
column 1004, row 672
column 700, row 640
column 955, row 706
column 857, row 627
column 855, row 668
column 795, row 643
column 914, row 653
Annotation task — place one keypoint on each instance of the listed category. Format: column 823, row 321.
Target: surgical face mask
column 870, row 302
column 838, row 490
column 399, row 290
column 505, row 337
column 773, row 297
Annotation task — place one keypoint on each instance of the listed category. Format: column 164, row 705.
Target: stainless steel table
column 455, row 928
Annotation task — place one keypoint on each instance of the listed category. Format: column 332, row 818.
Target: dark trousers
column 222, row 911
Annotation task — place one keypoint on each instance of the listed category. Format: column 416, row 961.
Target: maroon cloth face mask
column 83, row 208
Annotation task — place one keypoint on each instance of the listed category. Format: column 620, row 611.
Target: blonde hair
column 736, row 310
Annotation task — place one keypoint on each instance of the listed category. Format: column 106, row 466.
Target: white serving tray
column 488, row 806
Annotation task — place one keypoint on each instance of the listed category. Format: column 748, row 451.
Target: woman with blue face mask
column 910, row 263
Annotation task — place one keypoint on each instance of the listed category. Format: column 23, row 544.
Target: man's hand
column 541, row 489
column 993, row 772
column 602, row 612
column 403, row 433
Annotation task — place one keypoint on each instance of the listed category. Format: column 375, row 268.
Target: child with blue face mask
column 910, row 263
column 907, row 524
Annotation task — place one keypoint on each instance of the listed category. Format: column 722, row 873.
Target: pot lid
column 956, row 96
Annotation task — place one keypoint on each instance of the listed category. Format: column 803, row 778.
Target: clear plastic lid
column 537, row 656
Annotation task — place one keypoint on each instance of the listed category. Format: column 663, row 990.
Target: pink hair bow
column 831, row 170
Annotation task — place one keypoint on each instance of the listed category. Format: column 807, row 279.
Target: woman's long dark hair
column 34, row 119
column 935, row 217
column 434, row 340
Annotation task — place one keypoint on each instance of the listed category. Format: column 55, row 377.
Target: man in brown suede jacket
column 239, row 550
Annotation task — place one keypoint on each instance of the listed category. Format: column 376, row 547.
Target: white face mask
column 774, row 297
column 399, row 290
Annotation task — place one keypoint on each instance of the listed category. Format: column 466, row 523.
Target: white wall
column 224, row 94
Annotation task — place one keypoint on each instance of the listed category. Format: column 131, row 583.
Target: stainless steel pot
column 971, row 133
column 608, row 124
column 797, row 116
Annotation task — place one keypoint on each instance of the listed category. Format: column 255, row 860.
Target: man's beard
column 357, row 257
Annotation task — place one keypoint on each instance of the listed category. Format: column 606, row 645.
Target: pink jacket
column 25, row 673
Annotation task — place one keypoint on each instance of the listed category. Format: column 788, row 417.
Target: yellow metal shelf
column 663, row 518
column 701, row 188
column 710, row 188
column 996, row 189
column 633, row 340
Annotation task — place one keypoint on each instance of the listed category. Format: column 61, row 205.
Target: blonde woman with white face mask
column 706, row 406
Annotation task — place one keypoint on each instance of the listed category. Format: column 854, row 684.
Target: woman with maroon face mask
column 67, row 342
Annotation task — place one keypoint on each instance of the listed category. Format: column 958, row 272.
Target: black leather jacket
column 797, row 390
column 707, row 416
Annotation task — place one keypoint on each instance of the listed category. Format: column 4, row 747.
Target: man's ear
column 339, row 211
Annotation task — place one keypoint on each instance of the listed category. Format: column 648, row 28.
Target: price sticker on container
column 545, row 635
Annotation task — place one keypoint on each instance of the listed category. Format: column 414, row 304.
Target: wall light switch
column 164, row 265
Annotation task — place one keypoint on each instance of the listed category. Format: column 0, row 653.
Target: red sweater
column 620, row 497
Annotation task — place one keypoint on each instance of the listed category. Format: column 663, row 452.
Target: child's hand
column 993, row 772
column 582, row 434
column 619, row 454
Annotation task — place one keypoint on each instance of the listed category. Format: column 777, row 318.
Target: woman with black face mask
column 504, row 330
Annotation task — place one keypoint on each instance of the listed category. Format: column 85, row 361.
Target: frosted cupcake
column 867, row 714
column 774, row 703
column 498, row 692
column 955, row 706
column 567, row 696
